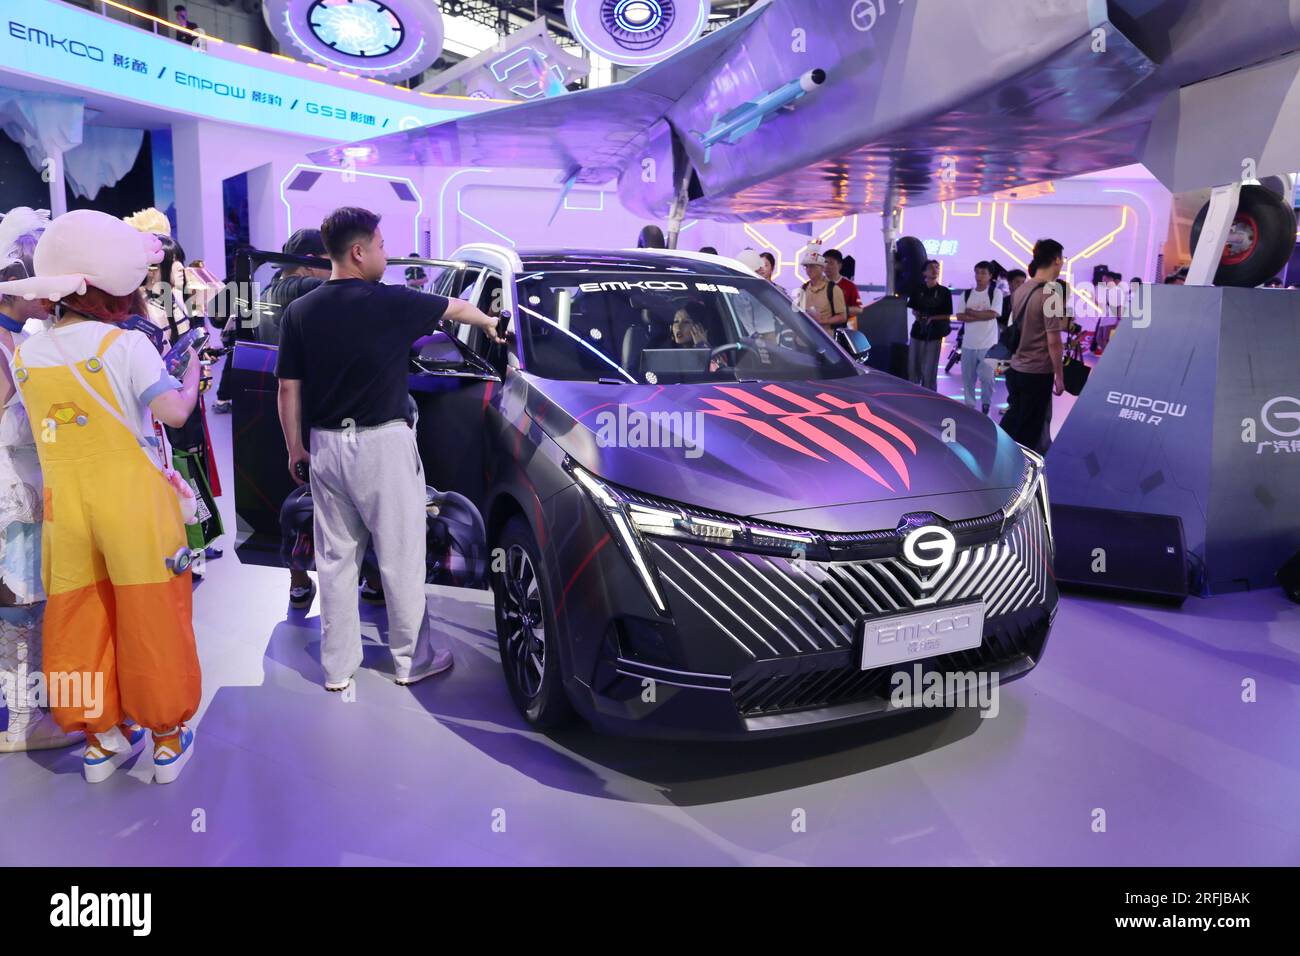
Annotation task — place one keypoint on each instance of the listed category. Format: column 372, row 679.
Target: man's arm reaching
column 289, row 403
column 458, row 310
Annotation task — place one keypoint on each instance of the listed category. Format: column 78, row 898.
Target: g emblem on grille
column 930, row 548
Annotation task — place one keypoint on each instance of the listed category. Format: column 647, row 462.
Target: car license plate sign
column 914, row 636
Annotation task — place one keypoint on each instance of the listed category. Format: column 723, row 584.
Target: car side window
column 488, row 299
column 461, row 283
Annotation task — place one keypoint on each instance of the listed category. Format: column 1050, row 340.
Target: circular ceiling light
column 636, row 32
column 393, row 39
column 363, row 28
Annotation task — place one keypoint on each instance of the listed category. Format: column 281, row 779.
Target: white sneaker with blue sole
column 106, row 752
column 171, row 752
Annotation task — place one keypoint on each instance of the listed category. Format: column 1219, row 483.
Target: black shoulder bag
column 1009, row 336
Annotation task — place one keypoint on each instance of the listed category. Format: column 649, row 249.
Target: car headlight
column 1033, row 486
column 633, row 517
column 615, row 514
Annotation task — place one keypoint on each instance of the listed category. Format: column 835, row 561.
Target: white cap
column 811, row 255
column 750, row 259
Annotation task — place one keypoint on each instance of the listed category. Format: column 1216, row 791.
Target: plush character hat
column 84, row 249
column 812, row 255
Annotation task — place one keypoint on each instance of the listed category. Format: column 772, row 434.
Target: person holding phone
column 342, row 365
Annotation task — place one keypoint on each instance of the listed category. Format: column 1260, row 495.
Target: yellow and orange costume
column 114, row 560
column 114, row 606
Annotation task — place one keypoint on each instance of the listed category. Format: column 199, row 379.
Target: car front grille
column 776, row 607
column 1011, row 646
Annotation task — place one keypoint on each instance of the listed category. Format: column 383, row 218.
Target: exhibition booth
column 733, row 566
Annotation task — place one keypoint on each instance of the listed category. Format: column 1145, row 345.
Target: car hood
column 845, row 454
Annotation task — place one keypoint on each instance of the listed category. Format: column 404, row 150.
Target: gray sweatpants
column 367, row 484
column 923, row 362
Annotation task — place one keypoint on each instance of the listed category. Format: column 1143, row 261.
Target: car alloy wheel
column 525, row 637
column 526, row 632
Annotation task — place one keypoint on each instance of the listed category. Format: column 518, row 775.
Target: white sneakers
column 107, row 751
column 171, row 752
column 440, row 662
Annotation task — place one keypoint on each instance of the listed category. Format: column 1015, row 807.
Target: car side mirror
column 854, row 342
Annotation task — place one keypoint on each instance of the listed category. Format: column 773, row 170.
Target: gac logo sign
column 1281, row 416
column 930, row 547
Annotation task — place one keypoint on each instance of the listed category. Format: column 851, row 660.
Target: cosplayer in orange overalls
column 115, row 562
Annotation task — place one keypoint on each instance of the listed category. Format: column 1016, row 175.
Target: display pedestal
column 1196, row 415
column 884, row 322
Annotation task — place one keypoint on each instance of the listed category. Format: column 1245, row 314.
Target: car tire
column 526, row 625
column 910, row 258
column 1267, row 238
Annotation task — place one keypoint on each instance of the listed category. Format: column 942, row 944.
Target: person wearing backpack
column 981, row 307
column 819, row 297
column 1037, row 370
column 835, row 275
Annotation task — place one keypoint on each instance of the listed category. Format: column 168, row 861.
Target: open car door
column 262, row 480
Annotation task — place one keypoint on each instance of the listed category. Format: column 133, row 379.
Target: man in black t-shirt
column 932, row 309
column 344, row 353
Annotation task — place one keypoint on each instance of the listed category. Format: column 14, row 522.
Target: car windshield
column 668, row 328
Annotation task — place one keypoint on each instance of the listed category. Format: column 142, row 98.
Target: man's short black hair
column 984, row 264
column 344, row 226
column 709, row 250
column 931, row 262
column 179, row 7
column 1016, row 274
column 834, row 254
column 771, row 259
column 1046, row 251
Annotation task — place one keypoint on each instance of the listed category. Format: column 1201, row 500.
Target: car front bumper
column 758, row 645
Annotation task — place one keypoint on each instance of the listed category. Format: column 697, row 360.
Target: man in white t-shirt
column 981, row 307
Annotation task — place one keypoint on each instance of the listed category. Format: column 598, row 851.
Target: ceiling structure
column 506, row 15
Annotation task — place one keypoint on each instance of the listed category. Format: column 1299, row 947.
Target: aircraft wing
column 593, row 132
column 923, row 101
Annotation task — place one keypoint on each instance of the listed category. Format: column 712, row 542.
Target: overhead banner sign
column 74, row 48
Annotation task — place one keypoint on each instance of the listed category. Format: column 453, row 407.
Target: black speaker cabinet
column 1124, row 553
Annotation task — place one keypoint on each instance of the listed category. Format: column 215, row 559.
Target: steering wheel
column 721, row 350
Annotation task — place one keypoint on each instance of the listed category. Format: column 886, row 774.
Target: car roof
column 579, row 260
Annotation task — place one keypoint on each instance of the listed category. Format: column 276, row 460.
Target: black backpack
column 1009, row 336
